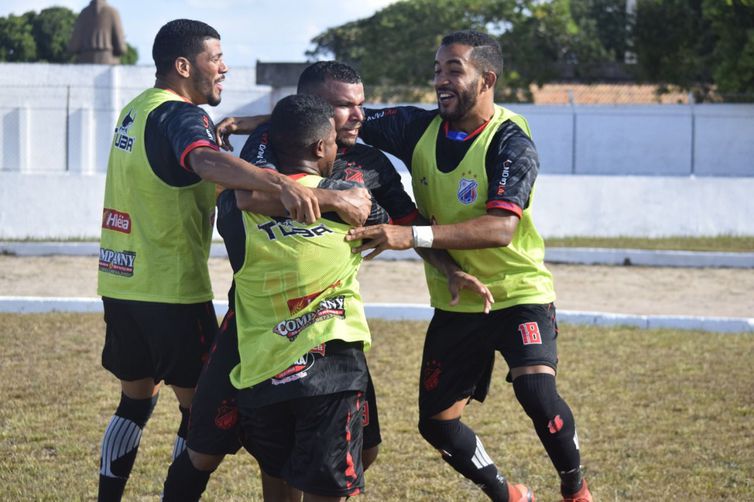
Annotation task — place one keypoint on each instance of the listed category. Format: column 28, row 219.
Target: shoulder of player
column 407, row 113
column 509, row 136
column 363, row 154
column 178, row 110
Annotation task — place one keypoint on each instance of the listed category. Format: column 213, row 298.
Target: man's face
column 457, row 81
column 207, row 73
column 347, row 99
column 330, row 151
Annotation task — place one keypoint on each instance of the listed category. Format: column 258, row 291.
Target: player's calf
column 554, row 424
column 463, row 450
column 121, row 443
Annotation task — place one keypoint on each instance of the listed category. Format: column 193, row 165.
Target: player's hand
column 353, row 205
column 236, row 125
column 300, row 202
column 459, row 280
column 381, row 237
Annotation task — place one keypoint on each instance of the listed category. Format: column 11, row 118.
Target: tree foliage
column 43, row 37
column 694, row 44
column 17, row 39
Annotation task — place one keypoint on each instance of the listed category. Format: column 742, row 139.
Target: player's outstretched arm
column 352, row 205
column 494, row 229
column 232, row 172
column 236, row 125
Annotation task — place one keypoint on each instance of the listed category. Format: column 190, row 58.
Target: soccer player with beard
column 213, row 429
column 156, row 233
column 473, row 167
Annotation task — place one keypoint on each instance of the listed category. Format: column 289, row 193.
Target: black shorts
column 313, row 443
column 213, row 427
column 459, row 351
column 370, row 417
column 162, row 341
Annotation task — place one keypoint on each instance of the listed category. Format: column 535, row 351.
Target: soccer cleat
column 582, row 495
column 520, row 493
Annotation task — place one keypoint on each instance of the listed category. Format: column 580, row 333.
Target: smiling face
column 207, row 74
column 347, row 99
column 457, row 81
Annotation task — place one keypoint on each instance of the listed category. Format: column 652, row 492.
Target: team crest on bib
column 467, row 191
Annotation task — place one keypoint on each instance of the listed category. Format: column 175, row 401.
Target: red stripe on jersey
column 408, row 219
column 192, row 146
column 508, row 206
column 296, row 176
column 472, row 134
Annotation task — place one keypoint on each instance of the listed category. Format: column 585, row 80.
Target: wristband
column 423, row 236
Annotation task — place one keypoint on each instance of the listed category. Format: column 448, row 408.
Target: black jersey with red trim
column 512, row 163
column 359, row 163
column 173, row 129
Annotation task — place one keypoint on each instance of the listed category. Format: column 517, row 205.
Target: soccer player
column 473, row 167
column 213, row 432
column 156, row 231
column 301, row 326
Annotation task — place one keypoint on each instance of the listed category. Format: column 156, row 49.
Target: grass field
column 662, row 415
column 725, row 243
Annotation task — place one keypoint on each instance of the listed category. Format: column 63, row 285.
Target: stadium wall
column 660, row 170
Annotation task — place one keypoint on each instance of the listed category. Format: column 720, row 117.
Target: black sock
column 463, row 450
column 184, row 483
column 552, row 419
column 571, row 481
column 120, row 445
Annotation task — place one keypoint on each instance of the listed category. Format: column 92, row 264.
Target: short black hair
column 180, row 38
column 315, row 75
column 486, row 52
column 298, row 121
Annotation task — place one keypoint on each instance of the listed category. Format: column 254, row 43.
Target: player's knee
column 538, row 396
column 439, row 433
column 204, row 461
column 368, row 456
column 136, row 410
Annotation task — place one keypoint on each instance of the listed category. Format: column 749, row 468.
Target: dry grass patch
column 666, row 413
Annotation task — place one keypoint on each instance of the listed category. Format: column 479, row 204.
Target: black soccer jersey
column 360, row 164
column 173, row 129
column 511, row 162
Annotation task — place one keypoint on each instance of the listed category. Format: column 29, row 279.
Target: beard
column 206, row 87
column 465, row 101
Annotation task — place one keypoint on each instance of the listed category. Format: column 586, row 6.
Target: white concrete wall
column 59, row 118
column 691, row 169
column 650, row 140
column 69, row 205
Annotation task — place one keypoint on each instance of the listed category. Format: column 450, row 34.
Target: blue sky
column 251, row 30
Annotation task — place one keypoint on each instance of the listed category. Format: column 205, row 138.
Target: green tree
column 131, row 56
column 43, row 37
column 673, row 42
column 732, row 23
column 17, row 39
column 396, row 45
column 52, row 29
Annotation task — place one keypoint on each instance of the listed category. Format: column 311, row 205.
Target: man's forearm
column 269, row 205
column 232, row 172
column 440, row 259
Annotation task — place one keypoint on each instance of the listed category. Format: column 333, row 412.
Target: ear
column 489, row 79
column 182, row 66
column 318, row 148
